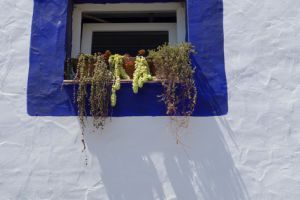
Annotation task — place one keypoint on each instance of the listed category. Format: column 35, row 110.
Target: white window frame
column 82, row 35
column 88, row 29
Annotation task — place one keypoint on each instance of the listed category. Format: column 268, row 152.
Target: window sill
column 72, row 82
column 144, row 103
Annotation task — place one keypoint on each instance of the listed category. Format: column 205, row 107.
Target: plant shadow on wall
column 137, row 158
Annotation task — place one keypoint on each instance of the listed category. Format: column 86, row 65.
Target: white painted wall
column 252, row 153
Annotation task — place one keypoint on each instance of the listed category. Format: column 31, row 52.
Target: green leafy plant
column 141, row 73
column 116, row 65
column 100, row 91
column 93, row 70
column 83, row 77
column 174, row 69
column 104, row 73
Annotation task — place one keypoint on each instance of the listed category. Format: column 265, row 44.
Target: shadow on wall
column 138, row 158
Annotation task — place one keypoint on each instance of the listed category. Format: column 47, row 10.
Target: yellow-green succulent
column 141, row 73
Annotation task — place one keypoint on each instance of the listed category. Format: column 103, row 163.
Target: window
column 123, row 42
column 126, row 28
column 57, row 34
column 125, row 38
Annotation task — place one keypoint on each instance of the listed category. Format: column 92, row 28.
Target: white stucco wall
column 251, row 153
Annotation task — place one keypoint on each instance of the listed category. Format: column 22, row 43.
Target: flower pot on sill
column 129, row 66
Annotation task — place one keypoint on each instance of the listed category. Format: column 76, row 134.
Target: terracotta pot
column 128, row 64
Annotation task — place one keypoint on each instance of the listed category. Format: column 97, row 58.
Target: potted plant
column 116, row 66
column 174, row 69
column 104, row 72
column 128, row 64
column 141, row 73
column 92, row 70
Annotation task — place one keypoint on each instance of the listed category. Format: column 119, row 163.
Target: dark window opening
column 129, row 17
column 128, row 41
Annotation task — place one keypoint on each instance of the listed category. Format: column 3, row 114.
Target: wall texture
column 251, row 153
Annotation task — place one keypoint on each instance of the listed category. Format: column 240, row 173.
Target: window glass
column 129, row 17
column 128, row 41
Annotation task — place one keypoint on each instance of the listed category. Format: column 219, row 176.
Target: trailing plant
column 93, row 70
column 116, row 65
column 128, row 64
column 141, row 73
column 83, row 76
column 106, row 55
column 100, row 91
column 174, row 68
column 104, row 72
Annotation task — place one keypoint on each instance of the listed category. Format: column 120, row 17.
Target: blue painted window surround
column 46, row 96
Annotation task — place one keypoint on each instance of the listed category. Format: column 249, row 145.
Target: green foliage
column 173, row 67
column 83, row 78
column 105, row 72
column 100, row 91
column 141, row 73
column 93, row 70
column 116, row 65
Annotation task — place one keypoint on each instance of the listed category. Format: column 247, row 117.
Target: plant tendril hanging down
column 93, row 70
column 141, row 73
column 83, row 78
column 171, row 64
column 116, row 65
column 100, row 92
column 173, row 67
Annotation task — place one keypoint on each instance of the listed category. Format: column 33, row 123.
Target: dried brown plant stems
column 174, row 68
column 83, row 77
column 100, row 92
column 93, row 70
column 103, row 73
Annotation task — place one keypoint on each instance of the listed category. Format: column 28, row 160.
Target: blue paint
column 205, row 32
column 124, row 1
column 47, row 97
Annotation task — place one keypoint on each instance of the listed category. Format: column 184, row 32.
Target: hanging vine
column 174, row 68
column 83, row 77
column 100, row 91
column 104, row 73
column 116, row 65
column 93, row 70
column 141, row 73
